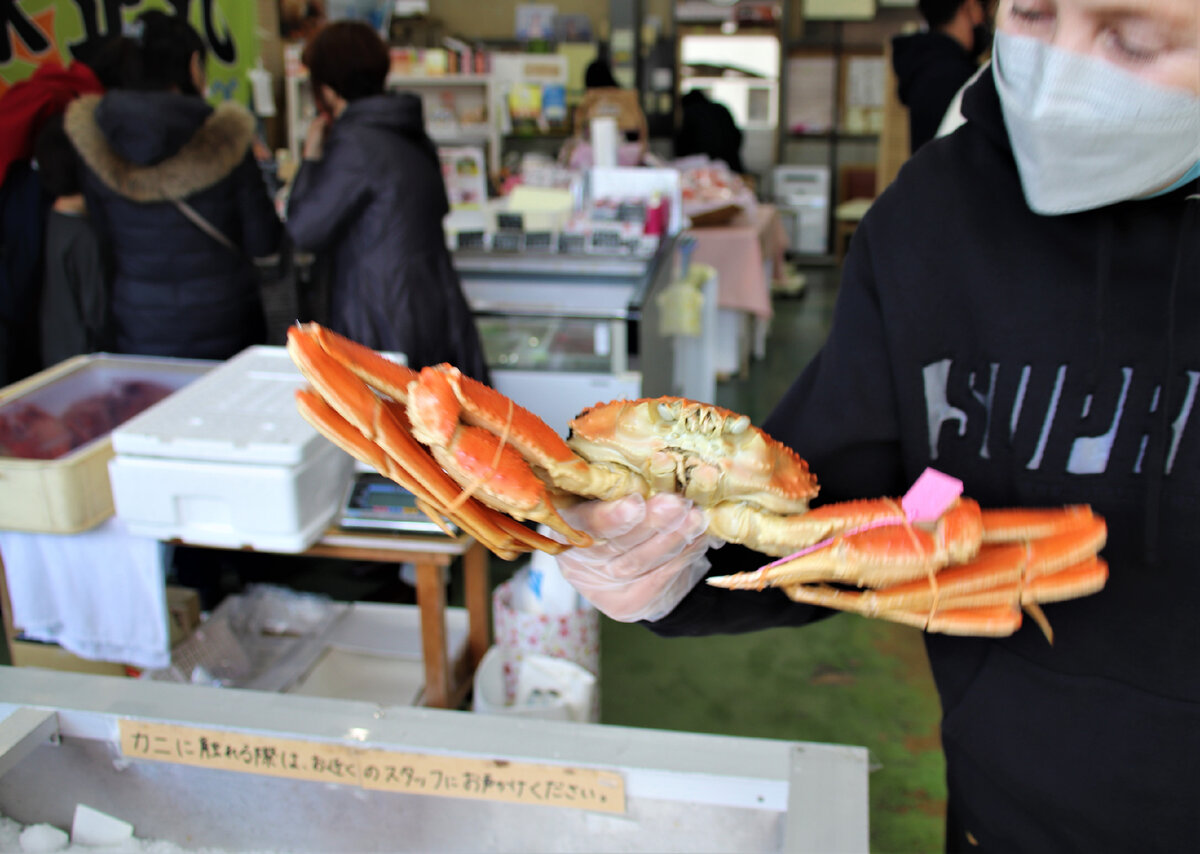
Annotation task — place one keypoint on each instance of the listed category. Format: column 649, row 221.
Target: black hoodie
column 375, row 202
column 930, row 69
column 1044, row 361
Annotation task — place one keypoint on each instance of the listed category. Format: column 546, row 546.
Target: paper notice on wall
column 864, row 81
column 810, row 87
column 864, row 94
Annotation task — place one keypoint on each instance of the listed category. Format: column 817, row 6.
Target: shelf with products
column 834, row 101
column 460, row 108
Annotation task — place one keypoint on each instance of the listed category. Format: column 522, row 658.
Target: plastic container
column 230, row 462
column 574, row 636
column 72, row 493
column 490, row 698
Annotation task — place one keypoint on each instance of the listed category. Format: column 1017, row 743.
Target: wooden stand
column 446, row 682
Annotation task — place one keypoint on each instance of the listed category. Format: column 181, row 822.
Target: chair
column 855, row 192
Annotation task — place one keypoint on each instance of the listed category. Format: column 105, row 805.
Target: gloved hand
column 648, row 554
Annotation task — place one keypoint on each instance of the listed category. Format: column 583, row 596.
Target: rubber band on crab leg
column 477, row 482
column 930, row 569
column 758, row 579
column 1032, row 608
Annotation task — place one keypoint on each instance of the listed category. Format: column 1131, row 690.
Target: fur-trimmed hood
column 158, row 146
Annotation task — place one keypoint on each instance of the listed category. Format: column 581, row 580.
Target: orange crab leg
column 491, row 530
column 376, row 432
column 964, row 594
column 461, row 398
column 1022, row 524
column 877, row 546
column 369, row 366
column 480, row 461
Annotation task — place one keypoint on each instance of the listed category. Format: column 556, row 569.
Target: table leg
column 10, row 631
column 475, row 594
column 431, row 600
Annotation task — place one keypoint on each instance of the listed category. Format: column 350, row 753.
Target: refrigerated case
column 562, row 332
column 202, row 767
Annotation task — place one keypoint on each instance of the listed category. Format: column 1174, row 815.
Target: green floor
column 846, row 680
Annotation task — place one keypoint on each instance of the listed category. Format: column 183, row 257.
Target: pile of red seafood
column 28, row 431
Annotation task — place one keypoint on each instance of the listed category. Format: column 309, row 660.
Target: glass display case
column 569, row 344
column 562, row 332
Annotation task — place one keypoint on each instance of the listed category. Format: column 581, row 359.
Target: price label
column 374, row 768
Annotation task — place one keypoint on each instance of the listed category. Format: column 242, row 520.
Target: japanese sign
column 375, row 769
column 34, row 31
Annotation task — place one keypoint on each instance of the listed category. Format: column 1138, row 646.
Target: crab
column 472, row 455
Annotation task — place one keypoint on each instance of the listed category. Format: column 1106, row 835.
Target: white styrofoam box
column 230, row 462
column 243, row 410
column 232, row 505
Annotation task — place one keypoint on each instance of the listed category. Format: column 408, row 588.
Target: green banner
column 34, row 31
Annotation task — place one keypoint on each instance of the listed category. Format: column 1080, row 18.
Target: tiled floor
column 845, row 680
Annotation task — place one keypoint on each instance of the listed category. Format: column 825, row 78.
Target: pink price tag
column 930, row 496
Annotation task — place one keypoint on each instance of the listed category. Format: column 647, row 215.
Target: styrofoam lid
column 243, row 410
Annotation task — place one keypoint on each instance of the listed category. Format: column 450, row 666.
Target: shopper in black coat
column 932, row 65
column 370, row 193
column 708, row 128
column 177, row 290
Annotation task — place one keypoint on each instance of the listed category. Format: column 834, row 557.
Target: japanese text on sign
column 375, row 769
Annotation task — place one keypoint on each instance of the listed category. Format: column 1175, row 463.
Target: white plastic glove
column 648, row 554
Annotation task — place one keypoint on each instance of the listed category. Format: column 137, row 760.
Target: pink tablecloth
column 746, row 253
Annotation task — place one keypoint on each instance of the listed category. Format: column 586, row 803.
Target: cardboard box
column 71, row 492
column 183, row 612
column 33, row 654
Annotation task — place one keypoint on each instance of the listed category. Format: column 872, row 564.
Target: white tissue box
column 229, row 462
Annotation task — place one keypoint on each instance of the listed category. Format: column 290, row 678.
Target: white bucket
column 489, row 695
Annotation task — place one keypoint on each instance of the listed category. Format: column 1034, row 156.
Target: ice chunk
column 92, row 827
column 42, row 839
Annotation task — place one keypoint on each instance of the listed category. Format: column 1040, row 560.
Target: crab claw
column 484, row 464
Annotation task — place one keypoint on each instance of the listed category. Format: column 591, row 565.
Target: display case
column 239, row 770
column 562, row 332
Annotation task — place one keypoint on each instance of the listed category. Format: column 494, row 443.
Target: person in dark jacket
column 708, row 128
column 172, row 186
column 75, row 305
column 1027, row 321
column 370, row 194
column 933, row 64
column 24, row 110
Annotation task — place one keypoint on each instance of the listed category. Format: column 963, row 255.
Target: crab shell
column 703, row 452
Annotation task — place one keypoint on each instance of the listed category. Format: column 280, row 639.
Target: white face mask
column 1086, row 134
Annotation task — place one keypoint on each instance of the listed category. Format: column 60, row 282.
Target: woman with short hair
column 370, row 194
